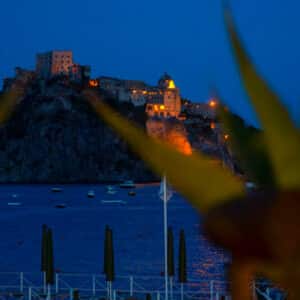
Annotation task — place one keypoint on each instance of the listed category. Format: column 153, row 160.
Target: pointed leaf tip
column 280, row 134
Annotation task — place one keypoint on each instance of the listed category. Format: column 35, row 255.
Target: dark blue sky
column 140, row 39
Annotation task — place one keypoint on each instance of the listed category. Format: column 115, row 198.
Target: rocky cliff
column 54, row 136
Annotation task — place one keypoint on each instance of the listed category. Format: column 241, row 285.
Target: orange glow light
column 93, row 83
column 161, row 107
column 212, row 103
column 156, row 107
column 212, row 125
column 226, row 136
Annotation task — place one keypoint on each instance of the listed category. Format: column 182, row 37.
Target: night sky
column 141, row 39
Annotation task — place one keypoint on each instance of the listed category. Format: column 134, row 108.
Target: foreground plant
column 261, row 230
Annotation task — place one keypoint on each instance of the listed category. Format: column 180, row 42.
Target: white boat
column 250, row 185
column 128, row 184
column 56, row 189
column 14, row 203
column 111, row 190
column 113, row 202
column 91, row 194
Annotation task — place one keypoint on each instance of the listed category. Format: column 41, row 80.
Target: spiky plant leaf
column 202, row 182
column 248, row 145
column 261, row 230
column 281, row 136
column 8, row 102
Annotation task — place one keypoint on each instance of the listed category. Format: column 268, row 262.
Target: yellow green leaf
column 195, row 176
column 8, row 102
column 248, row 146
column 281, row 136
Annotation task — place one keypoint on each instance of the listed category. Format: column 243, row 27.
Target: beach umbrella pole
column 181, row 290
column 171, row 287
column 45, row 283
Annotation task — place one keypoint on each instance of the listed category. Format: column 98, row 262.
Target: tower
column 171, row 96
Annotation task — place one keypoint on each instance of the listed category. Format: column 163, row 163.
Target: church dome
column 166, row 82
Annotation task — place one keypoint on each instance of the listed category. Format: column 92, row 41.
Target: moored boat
column 111, row 190
column 128, row 184
column 91, row 194
column 113, row 202
column 131, row 193
column 56, row 189
column 61, row 205
column 14, row 203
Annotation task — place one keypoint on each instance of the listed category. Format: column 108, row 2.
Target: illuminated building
column 58, row 62
column 53, row 63
column 164, row 101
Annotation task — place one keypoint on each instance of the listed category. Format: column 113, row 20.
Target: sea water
column 78, row 231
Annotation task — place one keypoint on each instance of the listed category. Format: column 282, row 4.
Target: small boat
column 111, row 190
column 91, row 194
column 113, row 202
column 131, row 193
column 14, row 203
column 250, row 185
column 14, row 195
column 128, row 184
column 56, row 189
column 61, row 205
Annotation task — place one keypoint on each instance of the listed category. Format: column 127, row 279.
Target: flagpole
column 165, row 236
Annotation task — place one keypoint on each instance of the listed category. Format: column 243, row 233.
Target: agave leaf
column 262, row 230
column 194, row 176
column 281, row 136
column 248, row 145
column 8, row 102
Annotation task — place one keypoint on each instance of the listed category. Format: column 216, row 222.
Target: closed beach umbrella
column 171, row 270
column 76, row 294
column 148, row 296
column 110, row 267
column 105, row 249
column 109, row 261
column 170, row 257
column 182, row 273
column 50, row 259
column 44, row 255
column 44, row 249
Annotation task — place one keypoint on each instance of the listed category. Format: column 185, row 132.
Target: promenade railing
column 31, row 286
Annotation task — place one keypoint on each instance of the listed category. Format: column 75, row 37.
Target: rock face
column 171, row 131
column 58, row 138
column 55, row 137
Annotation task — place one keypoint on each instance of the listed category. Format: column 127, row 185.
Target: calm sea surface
column 79, row 229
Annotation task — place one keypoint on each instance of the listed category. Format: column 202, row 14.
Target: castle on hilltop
column 162, row 100
column 55, row 63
